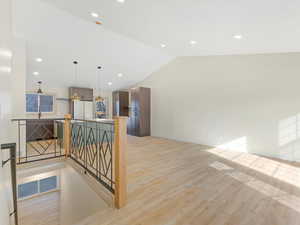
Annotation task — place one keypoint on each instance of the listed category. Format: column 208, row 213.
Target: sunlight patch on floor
column 239, row 145
column 276, row 169
column 268, row 190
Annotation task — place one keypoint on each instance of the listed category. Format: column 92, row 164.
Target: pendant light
column 99, row 100
column 75, row 96
column 98, row 97
column 39, row 91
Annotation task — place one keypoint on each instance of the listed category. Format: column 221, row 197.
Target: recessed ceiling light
column 36, row 73
column 238, row 36
column 93, row 14
column 39, row 59
column 109, row 83
column 120, row 74
column 163, row 45
column 193, row 42
column 121, row 1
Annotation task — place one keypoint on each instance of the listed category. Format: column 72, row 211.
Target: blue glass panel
column 46, row 103
column 48, row 184
column 27, row 189
column 31, row 103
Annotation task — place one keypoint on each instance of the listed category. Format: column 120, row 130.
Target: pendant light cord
column 99, row 74
column 76, row 72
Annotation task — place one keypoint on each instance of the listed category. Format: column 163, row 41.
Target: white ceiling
column 266, row 25
column 59, row 38
column 128, row 42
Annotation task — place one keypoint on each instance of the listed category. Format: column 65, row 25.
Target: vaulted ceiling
column 137, row 37
column 265, row 25
column 59, row 38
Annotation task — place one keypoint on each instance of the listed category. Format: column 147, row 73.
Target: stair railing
column 100, row 148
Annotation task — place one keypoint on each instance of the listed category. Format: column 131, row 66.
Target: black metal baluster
column 61, row 138
column 76, row 141
column 100, row 153
column 93, row 153
column 55, row 138
column 13, row 170
column 111, row 159
column 97, row 151
column 26, row 147
column 19, row 140
column 85, row 147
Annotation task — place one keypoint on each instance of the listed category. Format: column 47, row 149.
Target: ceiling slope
column 266, row 26
column 58, row 38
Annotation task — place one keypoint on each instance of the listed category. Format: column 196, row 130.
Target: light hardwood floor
column 181, row 183
column 174, row 183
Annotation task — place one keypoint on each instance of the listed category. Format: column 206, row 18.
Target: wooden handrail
column 120, row 161
column 67, row 134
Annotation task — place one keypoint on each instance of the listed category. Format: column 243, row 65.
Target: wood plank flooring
column 176, row 183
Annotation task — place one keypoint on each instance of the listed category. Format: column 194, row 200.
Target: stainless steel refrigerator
column 83, row 110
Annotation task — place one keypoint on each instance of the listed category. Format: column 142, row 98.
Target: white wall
column 78, row 199
column 246, row 103
column 18, row 89
column 5, row 106
column 12, row 88
column 18, row 77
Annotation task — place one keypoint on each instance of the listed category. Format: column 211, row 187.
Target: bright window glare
column 5, row 69
column 5, row 53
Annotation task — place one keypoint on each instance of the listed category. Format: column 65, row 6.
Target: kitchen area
column 41, row 131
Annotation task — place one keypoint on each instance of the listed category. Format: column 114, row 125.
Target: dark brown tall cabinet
column 139, row 123
column 120, row 103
